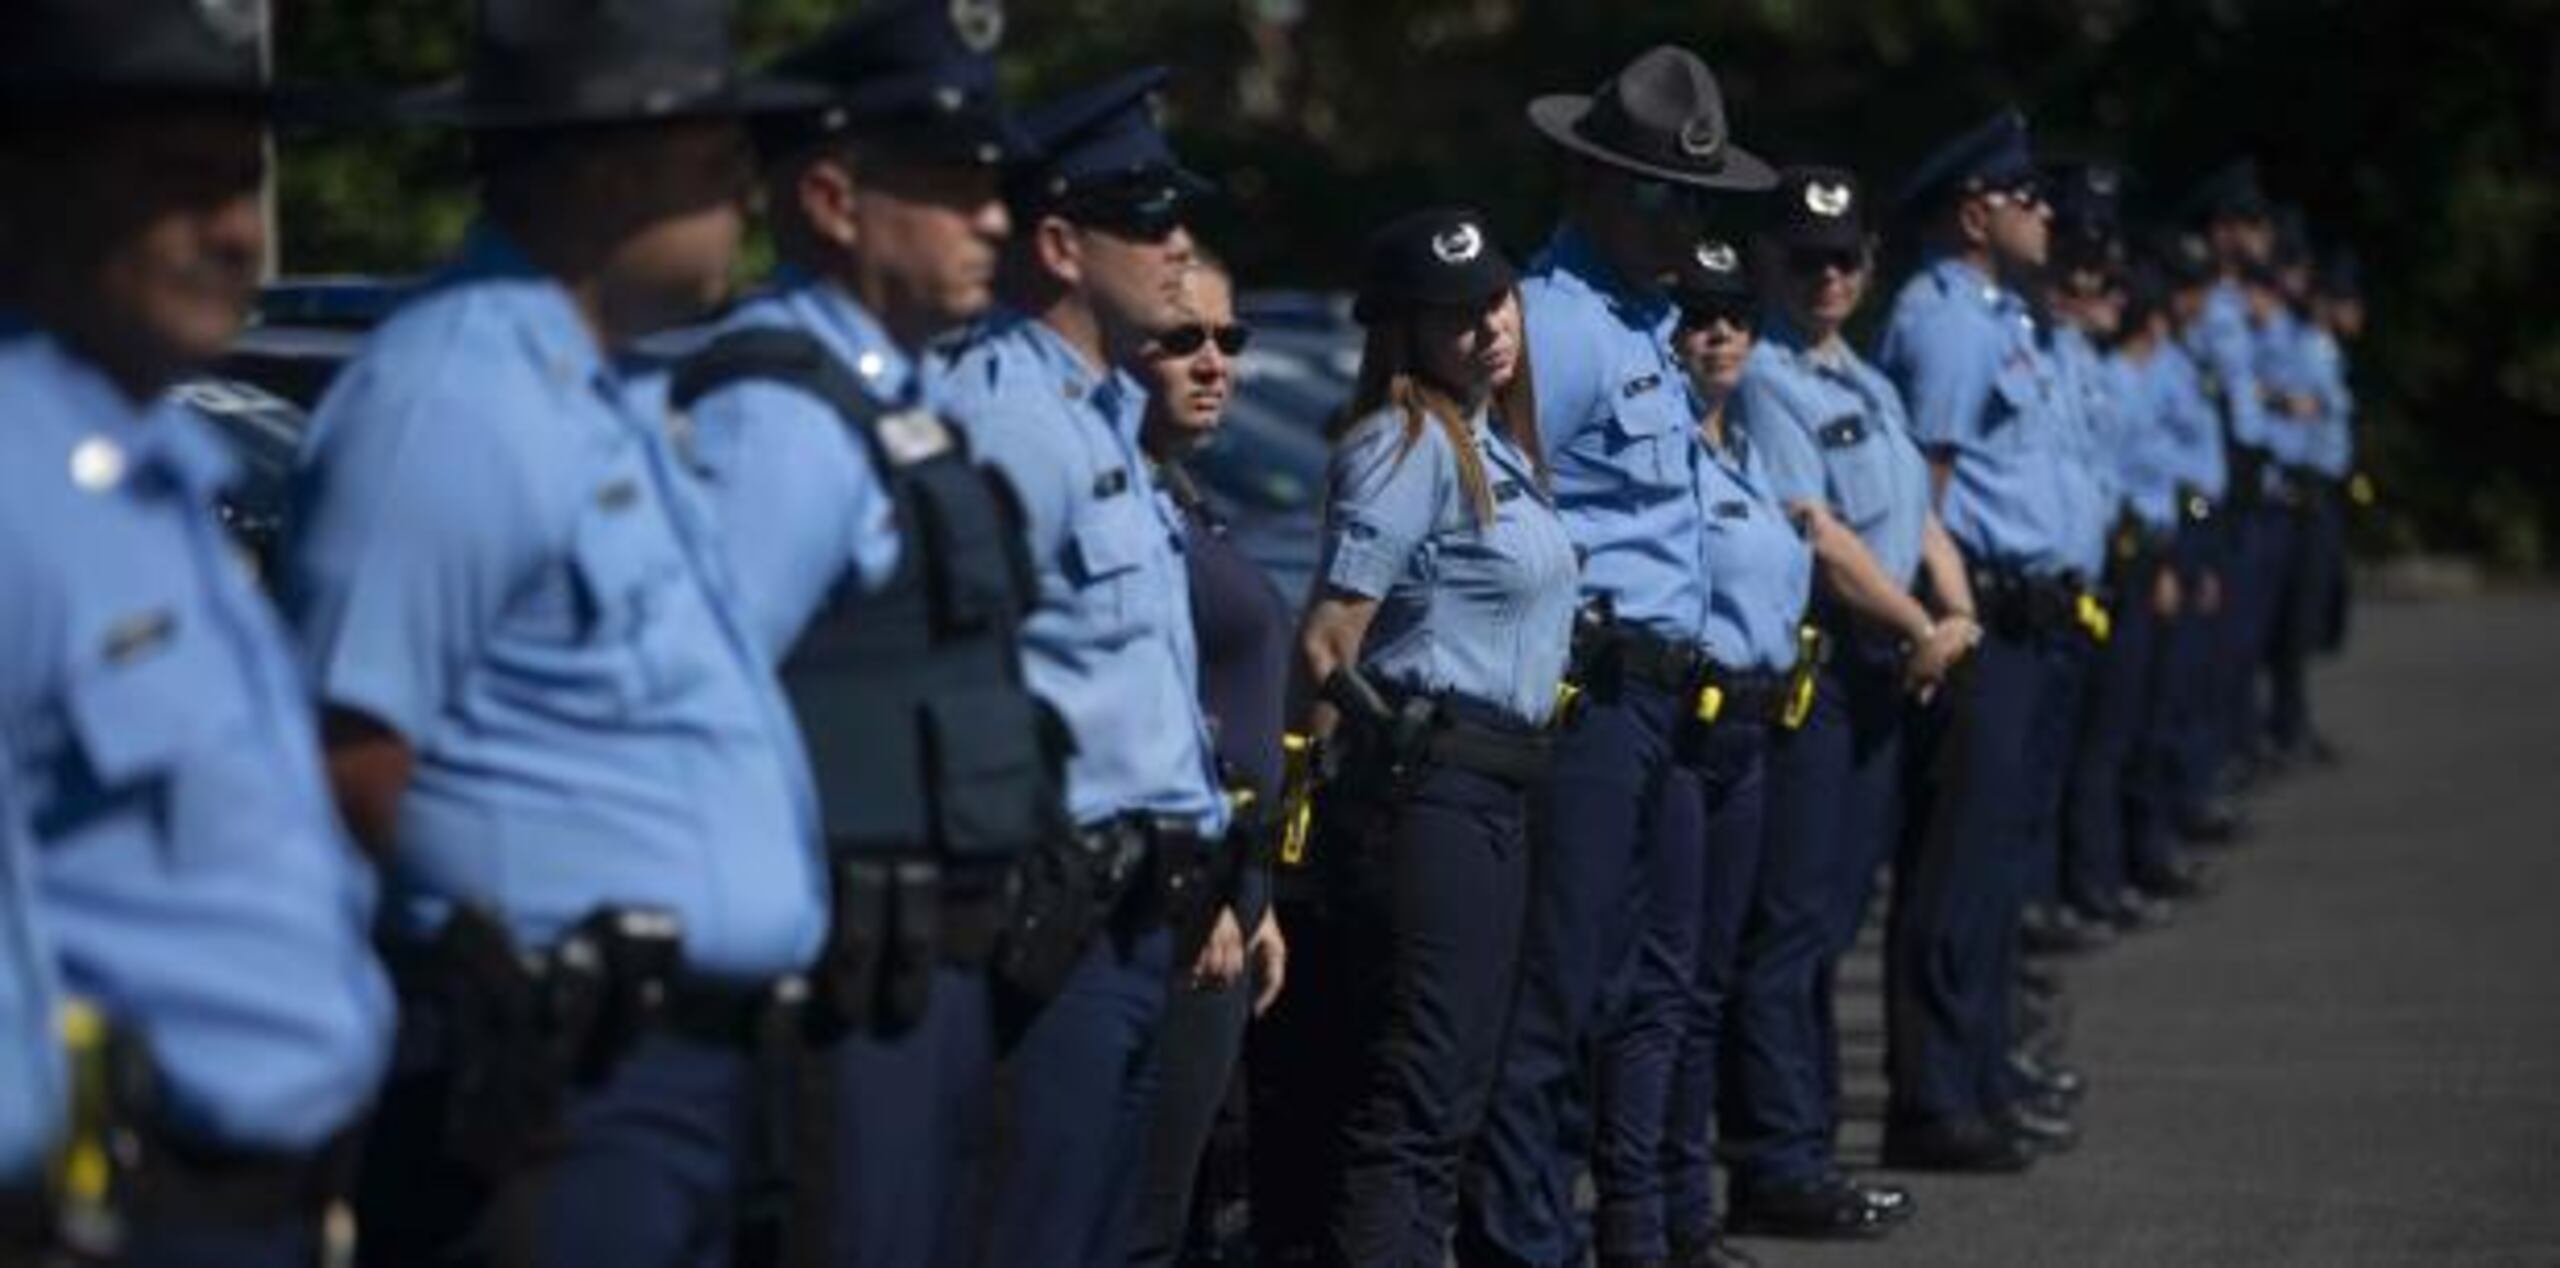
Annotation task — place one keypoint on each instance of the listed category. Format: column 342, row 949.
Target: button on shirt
column 2226, row 350
column 1109, row 643
column 159, row 751
column 496, row 554
column 1828, row 428
column 1473, row 609
column 1615, row 417
column 2190, row 424
column 1965, row 354
column 2144, row 456
column 1762, row 567
column 2090, row 489
column 800, row 504
column 31, row 1077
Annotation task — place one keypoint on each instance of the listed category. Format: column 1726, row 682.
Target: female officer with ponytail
column 1435, row 643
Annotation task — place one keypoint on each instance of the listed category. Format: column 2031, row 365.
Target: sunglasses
column 1150, row 216
column 2026, row 193
column 1184, row 341
column 1736, row 314
column 1813, row 261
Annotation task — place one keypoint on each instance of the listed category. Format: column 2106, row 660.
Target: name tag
column 621, row 495
column 1639, row 386
column 1733, row 510
column 1842, row 432
column 139, row 635
column 1506, row 491
column 910, row 436
column 1112, row 483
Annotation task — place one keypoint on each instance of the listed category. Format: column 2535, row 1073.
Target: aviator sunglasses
column 1183, row 341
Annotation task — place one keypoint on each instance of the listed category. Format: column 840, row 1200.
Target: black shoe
column 1829, row 1208
column 2055, row 929
column 2213, row 824
column 1709, row 1251
column 1641, row 1261
column 1972, row 1145
column 1891, row 1201
column 2133, row 911
column 2180, row 879
column 2049, row 1079
column 2045, row 1128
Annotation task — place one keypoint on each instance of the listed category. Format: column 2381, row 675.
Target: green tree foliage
column 2427, row 134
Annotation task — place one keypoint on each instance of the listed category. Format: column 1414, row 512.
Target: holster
column 1066, row 890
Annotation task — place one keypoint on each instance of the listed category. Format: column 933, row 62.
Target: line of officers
column 811, row 782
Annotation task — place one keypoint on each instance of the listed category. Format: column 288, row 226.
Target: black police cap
column 1104, row 135
column 2184, row 259
column 1992, row 154
column 83, row 56
column 918, row 76
column 1443, row 257
column 2230, row 192
column 1820, row 208
column 565, row 63
column 1712, row 275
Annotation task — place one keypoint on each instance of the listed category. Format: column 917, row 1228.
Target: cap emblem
column 236, row 21
column 1826, row 200
column 1700, row 138
column 979, row 23
column 1718, row 257
column 1459, row 245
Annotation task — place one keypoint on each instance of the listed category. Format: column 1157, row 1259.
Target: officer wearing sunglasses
column 1096, row 265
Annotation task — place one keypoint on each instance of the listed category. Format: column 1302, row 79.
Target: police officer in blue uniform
column 2337, row 320
column 1988, row 411
column 31, row 1067
column 1437, row 640
column 1097, row 263
column 1832, row 434
column 1647, row 151
column 2298, row 389
column 875, row 558
column 1659, row 1060
column 545, row 712
column 168, row 851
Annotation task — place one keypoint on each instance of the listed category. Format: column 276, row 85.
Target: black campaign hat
column 1823, row 208
column 565, row 63
column 1442, row 257
column 1661, row 117
column 918, row 76
column 1988, row 155
column 103, row 54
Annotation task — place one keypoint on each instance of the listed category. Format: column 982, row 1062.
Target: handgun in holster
column 1066, row 890
column 1399, row 733
column 607, row 986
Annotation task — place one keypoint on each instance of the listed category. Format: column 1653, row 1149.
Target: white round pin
column 97, row 464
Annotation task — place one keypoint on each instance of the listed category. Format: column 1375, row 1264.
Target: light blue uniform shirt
column 1109, row 643
column 1762, row 566
column 162, row 759
column 1621, row 436
column 1829, row 429
column 31, row 1076
column 2091, row 489
column 1483, row 611
column 2225, row 348
column 497, row 554
column 2332, row 449
column 2144, row 457
column 2190, row 425
column 800, row 504
column 1978, row 385
column 2283, row 365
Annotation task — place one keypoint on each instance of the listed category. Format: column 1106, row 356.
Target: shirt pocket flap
column 145, row 697
column 1110, row 541
column 1647, row 405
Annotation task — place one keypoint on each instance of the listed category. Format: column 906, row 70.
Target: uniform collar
column 1114, row 395
column 112, row 441
column 1956, row 276
column 884, row 367
column 536, row 302
column 1571, row 251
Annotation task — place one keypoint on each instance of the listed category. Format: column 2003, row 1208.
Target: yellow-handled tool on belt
column 1298, row 754
column 1805, row 679
column 2094, row 618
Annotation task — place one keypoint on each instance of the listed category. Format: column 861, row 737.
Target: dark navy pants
column 2115, row 792
column 2053, row 752
column 645, row 1171
column 1202, row 1038
column 1958, row 883
column 2302, row 613
column 1079, row 1087
column 2255, row 594
column 1732, row 773
column 1298, row 1075
column 912, row 1122
column 2190, row 736
column 1833, row 799
column 1434, row 895
column 203, row 1244
column 1615, row 790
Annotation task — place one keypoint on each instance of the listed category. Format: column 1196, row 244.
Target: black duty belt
column 738, row 1015
column 2194, row 507
column 2018, row 606
column 1631, row 654
column 1757, row 695
column 1170, row 865
column 1514, row 756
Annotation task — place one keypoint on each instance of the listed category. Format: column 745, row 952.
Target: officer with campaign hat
column 168, row 854
column 546, row 711
column 1649, row 155
column 1988, row 411
column 1832, row 433
column 1095, row 268
column 875, row 558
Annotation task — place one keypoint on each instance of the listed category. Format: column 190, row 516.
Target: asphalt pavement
column 2350, row 1056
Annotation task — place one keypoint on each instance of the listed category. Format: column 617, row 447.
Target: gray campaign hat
column 1661, row 117
column 563, row 63
column 74, row 56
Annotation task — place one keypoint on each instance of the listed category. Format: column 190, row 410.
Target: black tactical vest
column 923, row 738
